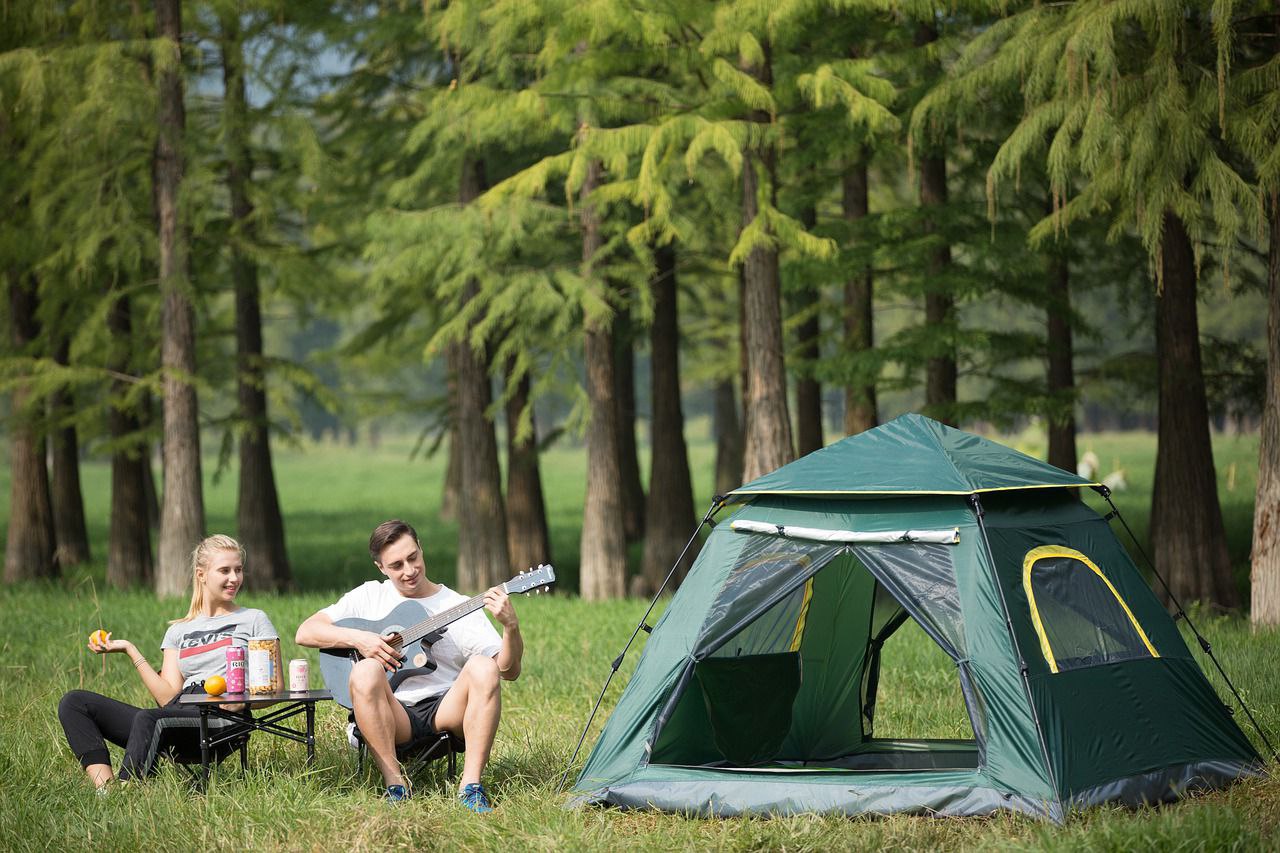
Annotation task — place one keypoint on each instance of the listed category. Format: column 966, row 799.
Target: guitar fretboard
column 432, row 624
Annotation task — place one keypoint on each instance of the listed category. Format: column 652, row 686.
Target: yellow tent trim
column 1046, row 551
column 804, row 613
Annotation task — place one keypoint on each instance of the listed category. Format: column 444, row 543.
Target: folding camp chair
column 178, row 739
column 425, row 753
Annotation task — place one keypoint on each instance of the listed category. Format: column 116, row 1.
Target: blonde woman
column 194, row 649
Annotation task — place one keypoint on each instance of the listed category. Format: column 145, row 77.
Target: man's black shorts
column 422, row 726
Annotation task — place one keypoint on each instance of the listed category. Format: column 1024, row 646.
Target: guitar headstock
column 532, row 580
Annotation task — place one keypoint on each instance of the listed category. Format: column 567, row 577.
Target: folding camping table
column 243, row 722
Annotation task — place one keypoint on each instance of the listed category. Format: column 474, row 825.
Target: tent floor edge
column 746, row 798
column 1167, row 784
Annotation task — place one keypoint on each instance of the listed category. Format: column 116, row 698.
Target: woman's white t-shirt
column 469, row 636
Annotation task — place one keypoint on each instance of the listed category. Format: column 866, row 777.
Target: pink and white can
column 235, row 669
column 299, row 675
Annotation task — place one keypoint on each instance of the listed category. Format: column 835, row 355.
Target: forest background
column 603, row 225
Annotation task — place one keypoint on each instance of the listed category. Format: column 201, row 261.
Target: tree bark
column 30, row 549
column 768, row 441
column 482, row 520
column 670, row 511
column 129, row 560
column 764, row 397
column 808, row 388
column 728, row 435
column 859, row 320
column 258, row 518
column 146, row 418
column 1265, row 572
column 939, row 305
column 449, row 495
column 182, row 513
column 66, row 497
column 1061, row 373
column 604, row 548
column 1188, row 540
column 528, row 537
column 628, row 457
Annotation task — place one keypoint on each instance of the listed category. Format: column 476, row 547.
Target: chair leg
column 244, row 756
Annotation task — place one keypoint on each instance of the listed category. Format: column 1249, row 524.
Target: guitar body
column 336, row 664
column 411, row 634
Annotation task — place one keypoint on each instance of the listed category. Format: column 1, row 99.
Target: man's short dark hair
column 386, row 533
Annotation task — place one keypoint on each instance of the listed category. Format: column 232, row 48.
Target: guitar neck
column 432, row 624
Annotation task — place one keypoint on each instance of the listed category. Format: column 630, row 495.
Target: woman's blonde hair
column 200, row 558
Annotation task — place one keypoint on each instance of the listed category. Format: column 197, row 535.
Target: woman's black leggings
column 91, row 719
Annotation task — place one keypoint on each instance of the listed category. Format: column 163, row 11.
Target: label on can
column 264, row 666
column 235, row 669
column 299, row 675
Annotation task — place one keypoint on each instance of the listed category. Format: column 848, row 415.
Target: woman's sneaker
column 474, row 798
column 397, row 793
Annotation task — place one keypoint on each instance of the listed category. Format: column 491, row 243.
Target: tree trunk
column 182, row 513
column 1188, row 540
column 670, row 511
column 1265, row 576
column 66, row 498
column 528, row 538
column 129, row 539
column 808, row 389
column 30, row 548
column 859, row 321
column 449, row 495
column 728, row 434
column 628, row 459
column 1061, row 376
column 482, row 520
column 939, row 305
column 145, row 420
column 764, row 396
column 768, row 444
column 604, row 546
column 258, row 518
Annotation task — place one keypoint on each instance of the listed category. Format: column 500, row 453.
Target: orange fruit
column 215, row 685
column 98, row 637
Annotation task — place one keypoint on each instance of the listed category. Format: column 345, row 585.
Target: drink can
column 299, row 675
column 264, row 665
column 235, row 669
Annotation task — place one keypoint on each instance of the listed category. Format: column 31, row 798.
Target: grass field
column 332, row 497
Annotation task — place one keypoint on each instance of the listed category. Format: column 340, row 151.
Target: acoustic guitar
column 406, row 630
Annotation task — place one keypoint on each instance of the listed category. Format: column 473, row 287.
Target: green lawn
column 332, row 497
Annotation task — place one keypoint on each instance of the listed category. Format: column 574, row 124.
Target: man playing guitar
column 460, row 695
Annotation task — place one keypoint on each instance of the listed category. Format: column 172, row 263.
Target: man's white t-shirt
column 469, row 636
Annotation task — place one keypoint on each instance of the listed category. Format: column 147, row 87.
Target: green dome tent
column 756, row 691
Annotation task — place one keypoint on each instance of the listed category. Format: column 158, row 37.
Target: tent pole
column 717, row 503
column 979, row 513
column 1182, row 614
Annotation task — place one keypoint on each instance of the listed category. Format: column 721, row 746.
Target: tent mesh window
column 786, row 668
column 1078, row 614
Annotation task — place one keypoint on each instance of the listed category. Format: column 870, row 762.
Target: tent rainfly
column 756, row 691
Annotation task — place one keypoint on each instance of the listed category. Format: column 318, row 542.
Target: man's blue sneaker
column 397, row 793
column 474, row 798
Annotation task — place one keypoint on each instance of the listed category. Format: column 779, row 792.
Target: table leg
column 204, row 748
column 311, row 733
